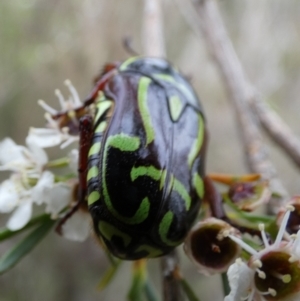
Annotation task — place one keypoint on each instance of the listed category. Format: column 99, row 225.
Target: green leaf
column 226, row 287
column 252, row 218
column 272, row 229
column 188, row 290
column 9, row 259
column 112, row 259
column 150, row 292
column 64, row 178
column 109, row 275
column 6, row 233
column 62, row 162
column 138, row 281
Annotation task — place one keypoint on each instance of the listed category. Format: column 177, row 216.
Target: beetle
column 142, row 157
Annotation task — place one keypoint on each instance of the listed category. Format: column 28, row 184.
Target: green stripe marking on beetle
column 102, row 107
column 144, row 110
column 196, row 147
column 164, row 228
column 180, row 86
column 149, row 171
column 152, row 252
column 108, row 231
column 124, row 66
column 93, row 197
column 101, row 127
column 124, row 143
column 93, row 172
column 176, row 106
column 199, row 185
column 180, row 189
column 95, row 149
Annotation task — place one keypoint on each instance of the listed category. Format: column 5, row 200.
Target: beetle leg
column 127, row 44
column 86, row 133
column 85, row 139
column 101, row 80
column 214, row 199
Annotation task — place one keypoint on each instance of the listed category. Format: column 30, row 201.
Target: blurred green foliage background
column 44, row 42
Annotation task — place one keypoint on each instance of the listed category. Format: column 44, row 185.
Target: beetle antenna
column 127, row 44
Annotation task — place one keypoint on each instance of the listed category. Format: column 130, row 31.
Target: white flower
column 56, row 196
column 272, row 273
column 15, row 193
column 73, row 156
column 77, row 227
column 240, row 278
column 62, row 126
column 209, row 248
column 16, row 196
column 48, row 137
column 17, row 157
column 28, row 184
column 294, row 220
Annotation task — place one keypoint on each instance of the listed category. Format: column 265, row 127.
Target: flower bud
column 249, row 195
column 272, row 273
column 278, row 276
column 208, row 246
column 293, row 223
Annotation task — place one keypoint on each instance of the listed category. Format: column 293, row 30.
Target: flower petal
column 77, row 227
column 20, row 217
column 8, row 196
column 296, row 245
column 73, row 156
column 44, row 137
column 240, row 278
column 209, row 247
column 12, row 154
column 38, row 154
column 39, row 193
column 57, row 198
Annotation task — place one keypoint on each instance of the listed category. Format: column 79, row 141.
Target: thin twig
column 209, row 21
column 153, row 38
column 154, row 46
column 171, row 280
column 278, row 130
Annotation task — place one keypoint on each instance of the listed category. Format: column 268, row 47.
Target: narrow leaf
column 9, row 259
column 138, row 281
column 109, row 275
column 188, row 291
column 150, row 292
column 62, row 162
column 226, row 287
column 6, row 233
column 250, row 217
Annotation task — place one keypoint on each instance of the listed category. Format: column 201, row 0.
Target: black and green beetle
column 143, row 157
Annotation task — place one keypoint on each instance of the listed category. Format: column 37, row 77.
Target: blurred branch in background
column 171, row 279
column 278, row 130
column 45, row 42
column 210, row 23
column 154, row 45
column 153, row 37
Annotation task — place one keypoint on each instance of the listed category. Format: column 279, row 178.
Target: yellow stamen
column 272, row 292
column 284, row 278
column 290, row 208
column 215, row 248
column 261, row 274
column 257, row 263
